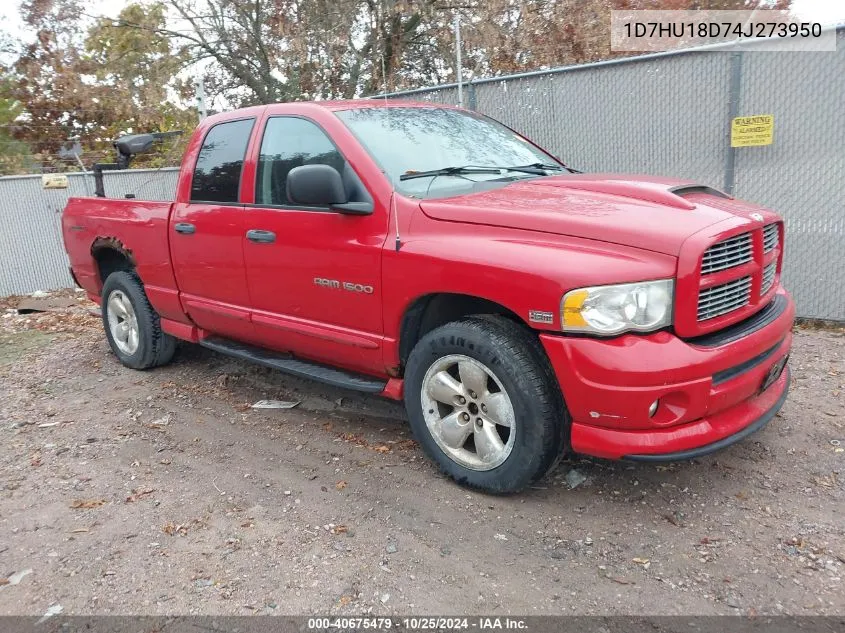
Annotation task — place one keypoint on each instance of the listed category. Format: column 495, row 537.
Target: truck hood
column 656, row 214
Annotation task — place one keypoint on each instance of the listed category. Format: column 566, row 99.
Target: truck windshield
column 406, row 142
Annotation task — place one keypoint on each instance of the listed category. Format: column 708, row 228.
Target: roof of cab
column 354, row 104
column 379, row 103
column 331, row 106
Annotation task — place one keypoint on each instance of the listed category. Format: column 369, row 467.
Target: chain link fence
column 32, row 254
column 670, row 114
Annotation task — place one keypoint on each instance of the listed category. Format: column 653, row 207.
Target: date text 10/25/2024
column 424, row 623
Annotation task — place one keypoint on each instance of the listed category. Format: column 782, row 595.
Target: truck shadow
column 576, row 478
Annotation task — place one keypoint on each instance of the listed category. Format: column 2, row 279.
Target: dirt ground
column 162, row 492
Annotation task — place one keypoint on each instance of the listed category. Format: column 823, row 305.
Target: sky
column 824, row 11
column 11, row 23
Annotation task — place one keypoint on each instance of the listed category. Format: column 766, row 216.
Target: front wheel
column 484, row 403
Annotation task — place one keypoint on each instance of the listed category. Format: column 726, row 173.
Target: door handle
column 185, row 228
column 260, row 236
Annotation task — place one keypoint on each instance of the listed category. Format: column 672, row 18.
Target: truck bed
column 127, row 224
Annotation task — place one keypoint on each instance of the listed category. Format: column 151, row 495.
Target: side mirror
column 316, row 186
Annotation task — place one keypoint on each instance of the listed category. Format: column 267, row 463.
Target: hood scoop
column 654, row 192
column 685, row 190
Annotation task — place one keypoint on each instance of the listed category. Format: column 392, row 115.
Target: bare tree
column 263, row 51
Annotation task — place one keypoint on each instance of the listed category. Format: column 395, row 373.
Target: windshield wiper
column 450, row 171
column 535, row 168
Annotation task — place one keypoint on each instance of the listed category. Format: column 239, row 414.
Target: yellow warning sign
column 54, row 181
column 749, row 131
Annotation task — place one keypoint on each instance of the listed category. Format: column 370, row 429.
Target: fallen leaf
column 4, row 581
column 181, row 529
column 340, row 529
column 381, row 449
column 86, row 504
column 640, row 561
column 139, row 494
column 172, row 529
column 827, row 481
column 621, row 581
column 340, row 485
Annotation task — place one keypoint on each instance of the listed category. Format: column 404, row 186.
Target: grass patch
column 14, row 345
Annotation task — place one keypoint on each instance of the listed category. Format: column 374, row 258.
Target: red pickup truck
column 419, row 251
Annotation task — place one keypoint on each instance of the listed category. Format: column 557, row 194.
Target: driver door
column 313, row 273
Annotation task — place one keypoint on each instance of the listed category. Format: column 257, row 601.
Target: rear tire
column 485, row 405
column 133, row 327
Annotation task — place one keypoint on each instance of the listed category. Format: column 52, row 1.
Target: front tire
column 133, row 327
column 484, row 403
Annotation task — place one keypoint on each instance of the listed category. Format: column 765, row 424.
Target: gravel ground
column 163, row 492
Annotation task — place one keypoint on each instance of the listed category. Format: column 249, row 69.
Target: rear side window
column 290, row 142
column 217, row 176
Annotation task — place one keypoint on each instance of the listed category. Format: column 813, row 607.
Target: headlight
column 642, row 306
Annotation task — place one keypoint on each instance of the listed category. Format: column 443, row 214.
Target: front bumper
column 709, row 395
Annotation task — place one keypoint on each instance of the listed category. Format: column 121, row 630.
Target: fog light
column 653, row 408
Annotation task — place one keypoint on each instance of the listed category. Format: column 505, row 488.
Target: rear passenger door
column 206, row 235
column 313, row 272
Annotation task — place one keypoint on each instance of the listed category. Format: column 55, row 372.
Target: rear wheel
column 133, row 327
column 484, row 403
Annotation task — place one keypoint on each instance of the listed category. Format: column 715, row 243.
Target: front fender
column 523, row 271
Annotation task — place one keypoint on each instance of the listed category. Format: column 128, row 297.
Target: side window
column 290, row 142
column 217, row 175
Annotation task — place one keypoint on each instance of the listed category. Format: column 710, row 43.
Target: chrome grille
column 724, row 298
column 770, row 237
column 728, row 253
column 768, row 277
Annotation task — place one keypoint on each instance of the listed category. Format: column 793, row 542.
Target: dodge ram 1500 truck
column 423, row 252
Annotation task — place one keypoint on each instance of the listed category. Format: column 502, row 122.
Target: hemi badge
column 541, row 317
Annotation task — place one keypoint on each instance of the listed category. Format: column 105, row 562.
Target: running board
column 297, row 367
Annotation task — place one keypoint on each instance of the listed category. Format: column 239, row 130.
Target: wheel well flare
column 431, row 311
